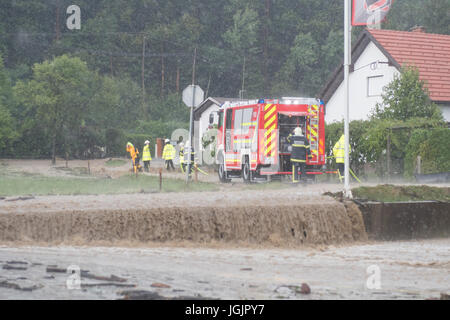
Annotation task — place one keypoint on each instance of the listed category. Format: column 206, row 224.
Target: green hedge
column 433, row 146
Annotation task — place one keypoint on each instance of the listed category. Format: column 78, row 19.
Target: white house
column 376, row 57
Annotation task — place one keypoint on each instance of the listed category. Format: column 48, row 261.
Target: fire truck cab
column 252, row 137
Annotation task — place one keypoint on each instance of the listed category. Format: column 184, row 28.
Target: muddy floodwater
column 407, row 270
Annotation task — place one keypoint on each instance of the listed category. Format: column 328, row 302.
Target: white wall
column 360, row 103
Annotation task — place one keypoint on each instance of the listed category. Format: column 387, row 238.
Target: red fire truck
column 252, row 137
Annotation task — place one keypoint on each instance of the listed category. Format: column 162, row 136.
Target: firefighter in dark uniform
column 300, row 150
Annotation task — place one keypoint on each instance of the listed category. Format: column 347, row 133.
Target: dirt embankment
column 279, row 219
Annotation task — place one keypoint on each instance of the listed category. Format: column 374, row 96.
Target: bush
column 115, row 141
column 359, row 152
column 137, row 139
column 433, row 146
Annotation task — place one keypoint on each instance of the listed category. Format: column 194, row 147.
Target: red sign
column 368, row 12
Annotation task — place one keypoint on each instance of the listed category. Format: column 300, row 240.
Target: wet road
column 403, row 270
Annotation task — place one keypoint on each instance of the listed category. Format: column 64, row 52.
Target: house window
column 375, row 86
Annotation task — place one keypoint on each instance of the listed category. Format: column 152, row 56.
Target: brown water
column 288, row 217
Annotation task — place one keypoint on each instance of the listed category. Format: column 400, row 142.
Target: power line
column 137, row 55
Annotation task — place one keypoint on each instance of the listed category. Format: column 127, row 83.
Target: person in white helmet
column 146, row 156
column 181, row 155
column 168, row 155
column 300, row 150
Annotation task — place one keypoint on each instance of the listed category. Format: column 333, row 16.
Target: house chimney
column 420, row 29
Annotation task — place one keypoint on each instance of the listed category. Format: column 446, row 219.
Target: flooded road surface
column 407, row 270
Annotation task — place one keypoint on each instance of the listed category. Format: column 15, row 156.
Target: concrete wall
column 406, row 220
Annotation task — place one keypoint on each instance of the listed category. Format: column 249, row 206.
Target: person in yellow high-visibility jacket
column 168, row 155
column 181, row 155
column 339, row 154
column 146, row 155
column 134, row 153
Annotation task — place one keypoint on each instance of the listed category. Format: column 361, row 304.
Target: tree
column 433, row 146
column 297, row 74
column 60, row 91
column 7, row 131
column 242, row 38
column 437, row 16
column 406, row 97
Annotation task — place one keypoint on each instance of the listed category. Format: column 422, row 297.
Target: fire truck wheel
column 222, row 173
column 246, row 172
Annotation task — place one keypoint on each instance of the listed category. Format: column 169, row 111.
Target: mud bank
column 406, row 220
column 298, row 224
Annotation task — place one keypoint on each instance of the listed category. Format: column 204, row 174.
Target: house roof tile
column 430, row 53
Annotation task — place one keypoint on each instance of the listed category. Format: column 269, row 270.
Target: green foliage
column 115, row 141
column 433, row 146
column 391, row 193
column 360, row 150
column 242, row 35
column 290, row 48
column 400, row 133
column 300, row 64
column 167, row 109
column 157, row 129
column 60, row 91
column 406, row 97
column 408, row 139
column 437, row 16
column 433, row 15
column 7, row 124
column 7, row 132
column 41, row 185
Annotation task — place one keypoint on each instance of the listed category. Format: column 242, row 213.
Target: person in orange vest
column 134, row 153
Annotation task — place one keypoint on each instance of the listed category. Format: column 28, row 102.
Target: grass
column 391, row 193
column 15, row 185
column 77, row 171
column 115, row 162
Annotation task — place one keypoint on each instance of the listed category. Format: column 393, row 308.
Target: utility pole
column 388, row 156
column 57, row 23
column 347, row 62
column 191, row 142
column 243, row 80
column 143, row 77
column 207, row 88
column 193, row 66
